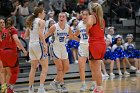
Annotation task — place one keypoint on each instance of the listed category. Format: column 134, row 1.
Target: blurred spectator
column 57, row 6
column 5, row 8
column 121, row 8
column 40, row 4
column 71, row 5
column 50, row 17
column 23, row 13
column 14, row 11
column 32, row 4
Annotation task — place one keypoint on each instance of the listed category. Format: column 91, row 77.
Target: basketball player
column 60, row 56
column 37, row 47
column 9, row 54
column 97, row 45
column 83, row 48
column 2, row 79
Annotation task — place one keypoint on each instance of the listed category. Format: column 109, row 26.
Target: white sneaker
column 112, row 74
column 41, row 90
column 76, row 61
column 83, row 88
column 106, row 75
column 138, row 72
column 120, row 73
column 56, row 86
column 126, row 73
column 133, row 68
column 31, row 90
column 64, row 88
column 103, row 75
column 92, row 86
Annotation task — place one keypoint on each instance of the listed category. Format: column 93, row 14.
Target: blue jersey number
column 61, row 39
column 85, row 36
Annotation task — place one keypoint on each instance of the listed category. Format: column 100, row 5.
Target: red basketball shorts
column 9, row 57
column 97, row 51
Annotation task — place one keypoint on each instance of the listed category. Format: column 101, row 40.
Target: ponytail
column 29, row 21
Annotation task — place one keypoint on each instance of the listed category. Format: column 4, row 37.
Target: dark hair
column 9, row 22
column 115, row 42
column 72, row 22
column 50, row 23
column 40, row 3
column 85, row 10
column 30, row 19
column 23, row 2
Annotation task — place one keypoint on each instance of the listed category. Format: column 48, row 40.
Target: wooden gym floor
column 124, row 84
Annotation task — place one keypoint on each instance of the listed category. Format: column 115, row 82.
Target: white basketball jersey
column 83, row 34
column 61, row 34
column 34, row 36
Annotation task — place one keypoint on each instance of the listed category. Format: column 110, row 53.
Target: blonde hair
column 97, row 8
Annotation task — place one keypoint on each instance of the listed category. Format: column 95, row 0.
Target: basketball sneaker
column 31, row 89
column 97, row 91
column 112, row 75
column 120, row 73
column 3, row 88
column 126, row 73
column 83, row 88
column 92, row 87
column 138, row 72
column 41, row 90
column 64, row 88
column 133, row 68
column 56, row 86
column 106, row 75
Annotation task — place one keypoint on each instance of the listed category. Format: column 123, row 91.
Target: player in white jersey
column 83, row 48
column 60, row 56
column 37, row 48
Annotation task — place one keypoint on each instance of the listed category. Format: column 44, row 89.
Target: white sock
column 55, row 80
column 31, row 87
column 41, row 85
column 83, row 82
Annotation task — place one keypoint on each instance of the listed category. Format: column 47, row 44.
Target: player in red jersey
column 2, row 81
column 97, row 46
column 9, row 54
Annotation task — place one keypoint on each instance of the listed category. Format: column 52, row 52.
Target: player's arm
column 18, row 43
column 50, row 31
column 90, row 22
column 41, row 31
column 71, row 36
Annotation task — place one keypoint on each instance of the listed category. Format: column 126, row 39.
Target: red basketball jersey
column 96, row 33
column 8, row 41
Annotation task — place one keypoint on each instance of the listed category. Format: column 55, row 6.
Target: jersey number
column 85, row 36
column 61, row 39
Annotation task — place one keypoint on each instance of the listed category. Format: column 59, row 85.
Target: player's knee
column 34, row 66
column 60, row 69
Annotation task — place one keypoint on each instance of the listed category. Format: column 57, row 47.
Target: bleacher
column 123, row 28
